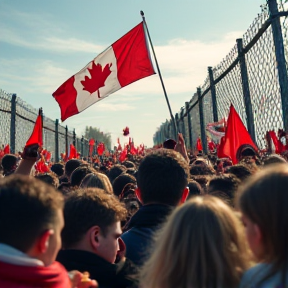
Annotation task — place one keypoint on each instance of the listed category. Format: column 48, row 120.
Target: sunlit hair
column 264, row 200
column 201, row 245
column 97, row 180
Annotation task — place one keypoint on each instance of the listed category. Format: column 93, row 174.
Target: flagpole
column 160, row 76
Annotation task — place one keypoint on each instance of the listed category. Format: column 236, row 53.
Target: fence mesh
column 5, row 117
column 262, row 70
column 25, row 116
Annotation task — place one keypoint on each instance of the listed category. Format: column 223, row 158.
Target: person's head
column 273, row 159
column 9, row 164
column 226, row 183
column 92, row 222
column 263, row 202
column 49, row 178
column 70, row 166
column 58, row 169
column 201, row 245
column 78, row 174
column 195, row 188
column 31, row 217
column 199, row 167
column 97, row 180
column 169, row 144
column 241, row 171
column 162, row 177
column 129, row 164
column 121, row 181
column 115, row 171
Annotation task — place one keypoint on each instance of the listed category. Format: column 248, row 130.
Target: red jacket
column 53, row 276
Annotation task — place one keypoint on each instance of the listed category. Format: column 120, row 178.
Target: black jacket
column 141, row 228
column 107, row 275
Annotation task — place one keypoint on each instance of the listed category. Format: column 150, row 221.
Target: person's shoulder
column 253, row 276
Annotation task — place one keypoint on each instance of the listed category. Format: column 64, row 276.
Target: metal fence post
column 13, row 124
column 56, row 140
column 82, row 146
column 183, row 131
column 177, row 124
column 246, row 91
column 213, row 94
column 280, row 58
column 74, row 138
column 189, row 125
column 202, row 124
column 66, row 141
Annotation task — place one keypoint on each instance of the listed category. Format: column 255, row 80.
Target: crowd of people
column 167, row 219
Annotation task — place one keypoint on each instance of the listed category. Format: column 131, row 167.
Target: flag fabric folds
column 6, row 149
column 73, row 152
column 36, row 136
column 236, row 135
column 124, row 62
column 199, row 146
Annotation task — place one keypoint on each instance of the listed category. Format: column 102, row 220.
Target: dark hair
column 8, row 163
column 78, row 174
column 71, row 165
column 121, row 181
column 85, row 208
column 162, row 177
column 27, row 208
column 48, row 178
column 115, row 171
column 196, row 169
column 194, row 188
column 129, row 164
column 58, row 169
column 169, row 144
column 273, row 159
column 241, row 171
column 226, row 183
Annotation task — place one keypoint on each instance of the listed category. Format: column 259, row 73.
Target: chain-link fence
column 17, row 123
column 252, row 77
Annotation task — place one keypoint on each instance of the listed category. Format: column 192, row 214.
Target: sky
column 43, row 43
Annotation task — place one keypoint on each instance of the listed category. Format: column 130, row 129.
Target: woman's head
column 97, row 180
column 201, row 245
column 263, row 202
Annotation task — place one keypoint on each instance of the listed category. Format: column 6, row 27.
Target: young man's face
column 108, row 244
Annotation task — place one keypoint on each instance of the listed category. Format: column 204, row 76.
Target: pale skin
column 254, row 237
column 181, row 147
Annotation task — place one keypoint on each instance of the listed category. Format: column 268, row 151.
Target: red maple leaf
column 98, row 78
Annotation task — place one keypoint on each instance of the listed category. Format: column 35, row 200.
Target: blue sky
column 43, row 43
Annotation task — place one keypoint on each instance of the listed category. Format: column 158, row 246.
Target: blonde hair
column 97, row 180
column 201, row 245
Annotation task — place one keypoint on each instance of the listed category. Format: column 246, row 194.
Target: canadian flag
column 124, row 62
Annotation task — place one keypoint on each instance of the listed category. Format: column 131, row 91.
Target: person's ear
column 185, row 195
column 258, row 234
column 94, row 234
column 138, row 194
column 43, row 241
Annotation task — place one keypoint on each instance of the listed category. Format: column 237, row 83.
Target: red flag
column 100, row 148
column 123, row 155
column 124, row 62
column 199, row 146
column 36, row 136
column 7, row 149
column 73, row 152
column 126, row 131
column 236, row 135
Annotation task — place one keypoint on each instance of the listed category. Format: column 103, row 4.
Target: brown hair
column 97, row 180
column 27, row 208
column 49, row 178
column 88, row 207
column 264, row 200
column 201, row 245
